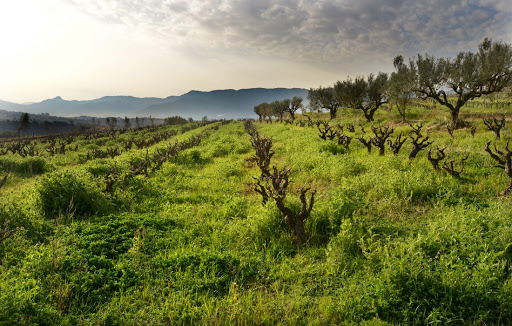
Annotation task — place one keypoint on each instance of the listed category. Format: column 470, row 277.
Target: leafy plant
column 69, row 194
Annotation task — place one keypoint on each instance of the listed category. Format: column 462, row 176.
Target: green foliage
column 175, row 120
column 199, row 272
column 70, row 194
column 98, row 167
column 391, row 241
column 190, row 157
column 333, row 148
column 470, row 75
column 342, row 203
column 21, row 301
column 324, row 98
column 235, row 207
column 362, row 94
column 26, row 167
column 400, row 87
column 279, row 108
column 102, row 250
column 344, row 250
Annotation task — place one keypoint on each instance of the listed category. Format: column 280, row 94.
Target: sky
column 86, row 49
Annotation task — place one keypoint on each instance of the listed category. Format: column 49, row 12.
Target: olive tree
column 127, row 123
column 24, row 122
column 363, row 94
column 293, row 105
column 278, row 108
column 468, row 76
column 262, row 110
column 400, row 87
column 111, row 122
column 323, row 98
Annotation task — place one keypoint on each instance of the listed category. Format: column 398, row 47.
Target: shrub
column 71, row 194
column 190, row 157
column 333, row 148
column 28, row 166
column 98, row 167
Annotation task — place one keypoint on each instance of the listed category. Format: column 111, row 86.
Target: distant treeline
column 13, row 128
column 29, row 127
column 176, row 120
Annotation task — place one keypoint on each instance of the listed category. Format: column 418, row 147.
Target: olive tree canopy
column 263, row 110
column 469, row 75
column 24, row 122
column 293, row 105
column 363, row 94
column 323, row 98
column 400, row 87
column 279, row 108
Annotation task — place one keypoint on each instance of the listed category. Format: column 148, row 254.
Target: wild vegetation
column 263, row 222
column 16, row 124
column 446, row 81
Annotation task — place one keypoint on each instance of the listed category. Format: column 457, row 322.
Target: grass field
column 391, row 240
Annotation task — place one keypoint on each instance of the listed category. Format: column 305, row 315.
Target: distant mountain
column 101, row 107
column 9, row 106
column 228, row 104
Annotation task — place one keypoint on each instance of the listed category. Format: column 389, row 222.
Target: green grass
column 391, row 240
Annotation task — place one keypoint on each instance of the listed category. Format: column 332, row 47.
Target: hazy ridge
column 228, row 104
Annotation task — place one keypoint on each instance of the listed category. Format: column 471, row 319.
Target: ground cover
column 390, row 239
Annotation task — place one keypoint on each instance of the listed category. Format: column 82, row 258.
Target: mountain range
column 218, row 104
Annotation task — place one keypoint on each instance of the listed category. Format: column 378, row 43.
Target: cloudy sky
column 84, row 49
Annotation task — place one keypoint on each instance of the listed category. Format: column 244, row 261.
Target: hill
column 228, row 104
column 9, row 106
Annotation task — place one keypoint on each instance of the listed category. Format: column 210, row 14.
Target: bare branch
column 435, row 160
column 418, row 142
column 381, row 135
column 504, row 162
column 6, row 233
column 451, row 169
column 495, row 125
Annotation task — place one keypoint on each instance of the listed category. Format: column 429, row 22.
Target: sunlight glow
column 22, row 23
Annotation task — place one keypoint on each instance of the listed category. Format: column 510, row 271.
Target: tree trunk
column 368, row 113
column 299, row 230
column 401, row 112
column 332, row 112
column 455, row 118
column 292, row 221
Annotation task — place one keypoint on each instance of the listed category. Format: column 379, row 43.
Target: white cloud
column 156, row 47
column 329, row 31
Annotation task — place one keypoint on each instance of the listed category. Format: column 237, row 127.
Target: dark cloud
column 328, row 31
